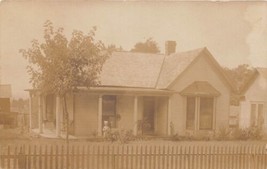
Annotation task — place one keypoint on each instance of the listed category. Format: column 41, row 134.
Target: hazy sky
column 234, row 32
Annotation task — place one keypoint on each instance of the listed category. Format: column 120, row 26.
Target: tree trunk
column 65, row 112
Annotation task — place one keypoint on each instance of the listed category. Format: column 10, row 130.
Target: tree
column 240, row 76
column 113, row 48
column 149, row 46
column 60, row 66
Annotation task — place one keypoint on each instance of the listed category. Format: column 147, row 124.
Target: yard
column 16, row 137
column 40, row 153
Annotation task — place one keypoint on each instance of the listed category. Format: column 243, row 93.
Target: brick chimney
column 170, row 47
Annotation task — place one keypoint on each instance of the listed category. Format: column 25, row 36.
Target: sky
column 234, row 32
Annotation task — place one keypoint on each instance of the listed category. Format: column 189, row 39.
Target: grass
column 15, row 137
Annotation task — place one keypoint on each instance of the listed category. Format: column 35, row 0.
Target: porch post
column 30, row 111
column 58, row 116
column 99, row 115
column 169, row 117
column 135, row 118
column 40, row 111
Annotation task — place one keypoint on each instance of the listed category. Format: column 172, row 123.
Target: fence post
column 21, row 159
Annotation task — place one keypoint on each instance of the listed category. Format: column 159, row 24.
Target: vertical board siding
column 133, row 157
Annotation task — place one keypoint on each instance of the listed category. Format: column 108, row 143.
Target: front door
column 149, row 115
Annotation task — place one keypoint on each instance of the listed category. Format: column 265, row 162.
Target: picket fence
column 133, row 157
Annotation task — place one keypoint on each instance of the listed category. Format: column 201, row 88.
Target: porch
column 89, row 108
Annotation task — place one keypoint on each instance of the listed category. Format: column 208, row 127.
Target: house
column 253, row 109
column 185, row 90
column 7, row 117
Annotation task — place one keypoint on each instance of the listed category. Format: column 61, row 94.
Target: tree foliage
column 149, row 46
column 113, row 48
column 58, row 65
column 240, row 76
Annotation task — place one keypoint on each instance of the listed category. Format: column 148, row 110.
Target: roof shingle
column 128, row 69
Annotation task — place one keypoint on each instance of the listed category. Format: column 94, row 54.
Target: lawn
column 15, row 137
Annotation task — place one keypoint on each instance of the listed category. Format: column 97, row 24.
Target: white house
column 188, row 89
column 253, row 108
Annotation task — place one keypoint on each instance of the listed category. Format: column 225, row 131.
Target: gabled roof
column 174, row 65
column 128, row 69
column 258, row 72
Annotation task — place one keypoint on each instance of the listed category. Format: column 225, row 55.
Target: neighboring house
column 7, row 118
column 186, row 89
column 253, row 108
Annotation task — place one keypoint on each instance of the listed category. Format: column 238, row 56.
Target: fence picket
column 132, row 157
column 264, row 156
column 88, row 157
column 51, row 157
column 8, row 157
column 56, row 157
column 15, row 158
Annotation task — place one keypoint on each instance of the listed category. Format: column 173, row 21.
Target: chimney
column 170, row 47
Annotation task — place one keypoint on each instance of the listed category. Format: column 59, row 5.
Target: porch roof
column 200, row 88
column 126, row 91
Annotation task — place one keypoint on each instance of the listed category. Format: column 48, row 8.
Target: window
column 190, row 114
column 203, row 108
column 256, row 115
column 206, row 113
column 50, row 108
column 109, row 110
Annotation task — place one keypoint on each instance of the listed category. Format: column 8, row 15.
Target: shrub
column 239, row 134
column 223, row 134
column 123, row 136
column 252, row 133
column 142, row 125
column 255, row 133
column 176, row 137
column 201, row 137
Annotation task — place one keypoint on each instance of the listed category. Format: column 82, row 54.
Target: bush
column 223, row 134
column 255, row 133
column 123, row 136
column 250, row 133
column 191, row 137
column 176, row 137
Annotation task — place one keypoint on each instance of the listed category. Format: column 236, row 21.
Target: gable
column 174, row 65
column 202, row 69
column 257, row 90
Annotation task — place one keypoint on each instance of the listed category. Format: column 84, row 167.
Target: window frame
column 197, row 113
column 115, row 99
column 256, row 120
